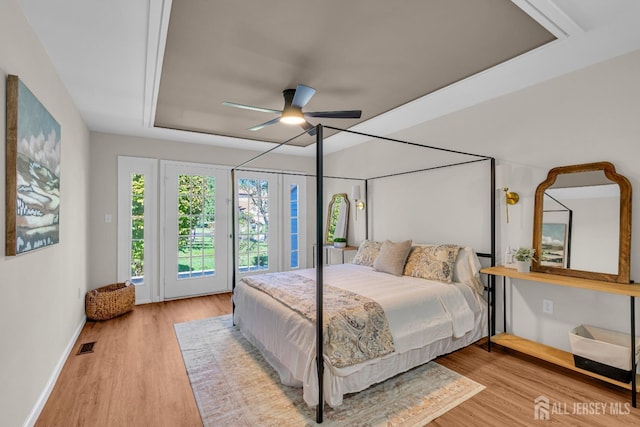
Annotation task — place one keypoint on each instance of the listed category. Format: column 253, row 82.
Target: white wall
column 42, row 304
column 105, row 149
column 414, row 206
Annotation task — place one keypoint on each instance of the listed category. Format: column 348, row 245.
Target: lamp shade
column 503, row 176
column 355, row 192
column 292, row 116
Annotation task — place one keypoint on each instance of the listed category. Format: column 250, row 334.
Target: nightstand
column 330, row 248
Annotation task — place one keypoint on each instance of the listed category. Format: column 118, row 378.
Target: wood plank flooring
column 136, row 377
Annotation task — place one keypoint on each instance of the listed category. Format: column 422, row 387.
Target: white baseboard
column 37, row 408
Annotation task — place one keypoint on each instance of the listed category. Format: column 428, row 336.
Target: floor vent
column 86, row 348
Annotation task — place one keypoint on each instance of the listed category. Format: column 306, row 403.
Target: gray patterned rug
column 234, row 386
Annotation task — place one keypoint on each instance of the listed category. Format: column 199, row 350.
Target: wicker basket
column 110, row 301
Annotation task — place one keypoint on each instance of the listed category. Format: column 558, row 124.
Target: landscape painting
column 554, row 242
column 33, row 172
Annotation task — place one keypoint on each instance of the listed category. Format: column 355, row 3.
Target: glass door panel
column 196, row 230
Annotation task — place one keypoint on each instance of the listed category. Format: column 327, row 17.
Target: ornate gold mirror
column 337, row 218
column 582, row 223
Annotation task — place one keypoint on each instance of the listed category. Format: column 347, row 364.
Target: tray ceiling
column 373, row 56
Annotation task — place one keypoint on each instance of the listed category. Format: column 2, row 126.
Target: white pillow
column 467, row 269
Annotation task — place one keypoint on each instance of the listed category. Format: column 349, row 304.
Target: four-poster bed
column 276, row 314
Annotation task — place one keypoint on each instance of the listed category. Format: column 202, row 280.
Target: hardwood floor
column 136, row 377
column 513, row 381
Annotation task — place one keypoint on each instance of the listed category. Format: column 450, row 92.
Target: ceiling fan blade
column 265, row 124
column 251, row 107
column 302, row 96
column 311, row 129
column 345, row 114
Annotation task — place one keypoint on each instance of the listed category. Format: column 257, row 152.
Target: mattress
column 426, row 319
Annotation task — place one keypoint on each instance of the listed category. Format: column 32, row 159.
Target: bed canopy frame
column 319, row 229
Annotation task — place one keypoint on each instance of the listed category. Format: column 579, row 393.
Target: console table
column 554, row 355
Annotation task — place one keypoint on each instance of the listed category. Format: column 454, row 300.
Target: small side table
column 341, row 250
column 329, row 248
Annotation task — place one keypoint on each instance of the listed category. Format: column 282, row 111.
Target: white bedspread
column 419, row 312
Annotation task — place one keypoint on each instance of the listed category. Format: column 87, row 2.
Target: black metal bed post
column 232, row 235
column 569, row 231
column 319, row 271
column 491, row 294
column 633, row 352
column 366, row 209
column 569, row 227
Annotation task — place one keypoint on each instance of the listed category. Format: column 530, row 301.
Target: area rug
column 234, row 386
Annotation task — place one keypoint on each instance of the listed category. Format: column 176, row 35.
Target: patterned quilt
column 355, row 327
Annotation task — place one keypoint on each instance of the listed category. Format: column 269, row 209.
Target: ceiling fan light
column 292, row 117
column 292, row 120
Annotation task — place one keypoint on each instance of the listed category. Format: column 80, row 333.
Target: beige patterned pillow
column 392, row 257
column 432, row 262
column 367, row 253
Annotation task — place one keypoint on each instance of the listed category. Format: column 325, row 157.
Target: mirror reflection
column 582, row 223
column 337, row 217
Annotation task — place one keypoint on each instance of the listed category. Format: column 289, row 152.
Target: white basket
column 603, row 346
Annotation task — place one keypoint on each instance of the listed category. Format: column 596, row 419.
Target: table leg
column 633, row 351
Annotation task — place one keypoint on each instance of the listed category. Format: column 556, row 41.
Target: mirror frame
column 624, row 249
column 329, row 209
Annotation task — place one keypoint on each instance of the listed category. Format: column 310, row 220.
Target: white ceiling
column 109, row 55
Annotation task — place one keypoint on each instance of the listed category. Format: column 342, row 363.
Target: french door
column 195, row 235
column 191, row 256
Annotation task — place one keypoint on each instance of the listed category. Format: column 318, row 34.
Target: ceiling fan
column 294, row 101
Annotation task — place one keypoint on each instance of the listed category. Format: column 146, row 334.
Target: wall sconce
column 503, row 176
column 355, row 195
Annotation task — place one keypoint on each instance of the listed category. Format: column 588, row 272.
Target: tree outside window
column 253, row 224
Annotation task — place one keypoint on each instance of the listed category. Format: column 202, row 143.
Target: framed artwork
column 33, row 172
column 554, row 245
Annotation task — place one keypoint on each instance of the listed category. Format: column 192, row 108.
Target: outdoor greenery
column 199, row 253
column 137, row 225
column 196, row 223
column 333, row 221
column 253, row 222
